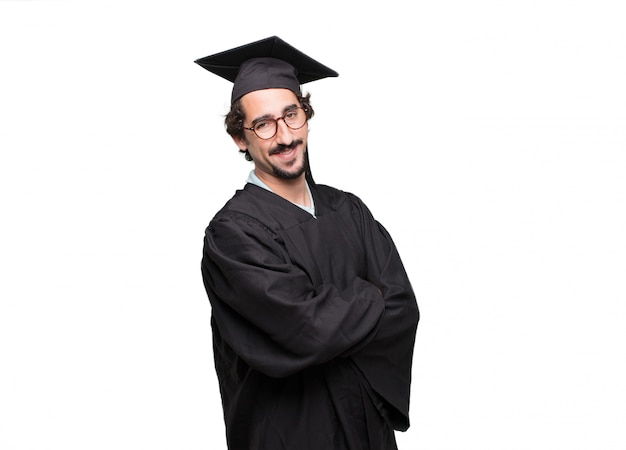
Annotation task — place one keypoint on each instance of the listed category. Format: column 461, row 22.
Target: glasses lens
column 295, row 118
column 265, row 129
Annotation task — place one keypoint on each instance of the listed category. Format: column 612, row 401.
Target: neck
column 293, row 190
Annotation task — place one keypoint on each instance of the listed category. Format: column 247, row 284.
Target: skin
column 280, row 161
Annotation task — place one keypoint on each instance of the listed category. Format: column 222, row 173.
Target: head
column 267, row 75
column 235, row 118
column 282, row 155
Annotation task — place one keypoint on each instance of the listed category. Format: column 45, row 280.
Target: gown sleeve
column 269, row 311
column 386, row 360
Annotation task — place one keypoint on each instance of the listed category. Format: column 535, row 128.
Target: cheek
column 304, row 131
column 258, row 148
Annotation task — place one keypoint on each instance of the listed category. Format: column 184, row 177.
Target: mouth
column 285, row 152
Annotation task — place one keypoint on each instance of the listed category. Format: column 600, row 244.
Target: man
column 313, row 315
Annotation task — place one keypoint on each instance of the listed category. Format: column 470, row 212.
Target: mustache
column 282, row 147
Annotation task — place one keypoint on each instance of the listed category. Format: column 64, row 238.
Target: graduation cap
column 264, row 64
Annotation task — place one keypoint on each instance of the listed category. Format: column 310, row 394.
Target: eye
column 291, row 114
column 262, row 125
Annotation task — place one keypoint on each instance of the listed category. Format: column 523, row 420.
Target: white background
column 487, row 136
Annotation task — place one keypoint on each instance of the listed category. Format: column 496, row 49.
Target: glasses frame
column 276, row 123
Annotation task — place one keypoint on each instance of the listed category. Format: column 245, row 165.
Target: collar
column 253, row 179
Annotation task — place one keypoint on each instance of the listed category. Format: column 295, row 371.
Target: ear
column 240, row 143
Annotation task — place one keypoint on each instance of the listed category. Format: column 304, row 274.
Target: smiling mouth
column 285, row 149
column 284, row 152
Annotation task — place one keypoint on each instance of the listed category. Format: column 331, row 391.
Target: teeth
column 284, row 151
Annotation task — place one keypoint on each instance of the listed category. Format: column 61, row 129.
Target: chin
column 291, row 174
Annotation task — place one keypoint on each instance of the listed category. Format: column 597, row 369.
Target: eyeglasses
column 295, row 119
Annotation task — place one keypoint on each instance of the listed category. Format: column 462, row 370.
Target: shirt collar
column 253, row 179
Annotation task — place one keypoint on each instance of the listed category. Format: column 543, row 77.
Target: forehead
column 270, row 102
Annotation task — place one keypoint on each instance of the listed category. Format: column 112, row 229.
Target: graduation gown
column 313, row 321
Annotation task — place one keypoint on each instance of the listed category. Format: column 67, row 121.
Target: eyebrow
column 269, row 116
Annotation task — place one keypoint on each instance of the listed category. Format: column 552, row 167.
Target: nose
column 283, row 132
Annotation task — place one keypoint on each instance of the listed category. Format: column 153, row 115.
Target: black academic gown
column 313, row 322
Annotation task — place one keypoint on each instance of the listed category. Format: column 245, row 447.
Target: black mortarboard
column 264, row 64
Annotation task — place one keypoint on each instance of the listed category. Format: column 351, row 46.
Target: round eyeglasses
column 294, row 118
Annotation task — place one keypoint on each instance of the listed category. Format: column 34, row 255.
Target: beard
column 296, row 171
column 288, row 175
